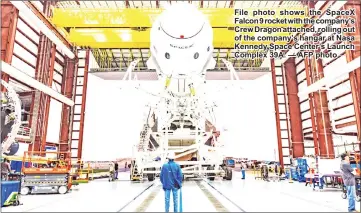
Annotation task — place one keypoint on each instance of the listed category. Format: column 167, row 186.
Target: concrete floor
column 250, row 195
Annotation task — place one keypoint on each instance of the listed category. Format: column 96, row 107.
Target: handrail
column 36, row 158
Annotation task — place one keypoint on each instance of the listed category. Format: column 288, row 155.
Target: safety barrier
column 40, row 163
column 46, row 182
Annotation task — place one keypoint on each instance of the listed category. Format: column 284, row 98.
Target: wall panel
column 54, row 121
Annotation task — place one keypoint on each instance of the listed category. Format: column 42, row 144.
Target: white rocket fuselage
column 181, row 45
column 181, row 52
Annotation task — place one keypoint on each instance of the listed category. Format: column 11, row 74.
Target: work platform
column 248, row 195
column 244, row 73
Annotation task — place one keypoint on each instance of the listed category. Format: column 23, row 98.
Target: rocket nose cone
column 182, row 20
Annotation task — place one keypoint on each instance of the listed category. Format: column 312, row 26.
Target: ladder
column 78, row 114
column 281, row 92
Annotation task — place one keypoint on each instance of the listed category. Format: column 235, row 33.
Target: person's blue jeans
column 351, row 192
column 243, row 174
column 175, row 199
column 116, row 174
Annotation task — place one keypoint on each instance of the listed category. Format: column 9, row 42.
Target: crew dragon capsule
column 181, row 42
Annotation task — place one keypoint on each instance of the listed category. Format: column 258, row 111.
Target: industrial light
column 20, row 76
column 100, row 37
column 22, row 7
column 89, row 31
column 349, row 67
column 91, row 22
column 125, row 36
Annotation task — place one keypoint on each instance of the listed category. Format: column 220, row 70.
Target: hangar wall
column 111, row 130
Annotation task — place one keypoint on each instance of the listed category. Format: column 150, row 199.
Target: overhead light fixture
column 117, row 21
column 100, row 37
column 88, row 31
column 91, row 22
column 22, row 77
column 126, row 36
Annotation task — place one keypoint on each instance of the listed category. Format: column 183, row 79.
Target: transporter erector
column 182, row 119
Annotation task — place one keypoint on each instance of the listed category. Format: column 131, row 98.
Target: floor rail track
column 136, row 197
column 224, row 196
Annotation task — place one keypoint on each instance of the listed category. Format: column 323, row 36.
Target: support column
column 277, row 113
column 294, row 108
column 67, row 89
column 324, row 129
column 355, row 76
column 9, row 21
column 312, row 108
column 44, row 72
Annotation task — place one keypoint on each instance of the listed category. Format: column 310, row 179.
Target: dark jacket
column 116, row 166
column 171, row 176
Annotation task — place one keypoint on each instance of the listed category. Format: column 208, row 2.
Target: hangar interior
column 51, row 49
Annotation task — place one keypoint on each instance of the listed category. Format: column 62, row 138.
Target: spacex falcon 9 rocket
column 182, row 120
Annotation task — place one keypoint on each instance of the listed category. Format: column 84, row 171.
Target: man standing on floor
column 348, row 177
column 116, row 170
column 5, row 169
column 243, row 170
column 171, row 178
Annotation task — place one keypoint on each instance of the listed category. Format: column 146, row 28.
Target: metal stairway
column 144, row 138
column 134, row 174
column 145, row 132
column 142, row 146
